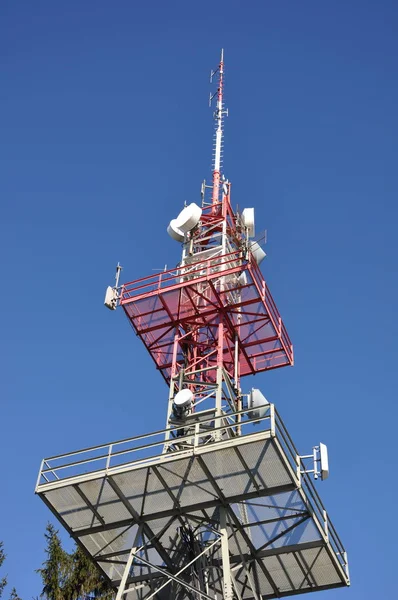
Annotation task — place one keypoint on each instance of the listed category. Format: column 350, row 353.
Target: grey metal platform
column 135, row 500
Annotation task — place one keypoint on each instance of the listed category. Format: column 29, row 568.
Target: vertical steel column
column 219, row 380
column 172, row 386
column 226, row 567
column 122, row 585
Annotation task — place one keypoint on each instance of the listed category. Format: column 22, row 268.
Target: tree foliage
column 65, row 576
column 85, row 579
column 3, row 580
column 56, row 568
column 70, row 576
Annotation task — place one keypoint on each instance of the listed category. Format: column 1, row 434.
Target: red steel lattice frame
column 175, row 301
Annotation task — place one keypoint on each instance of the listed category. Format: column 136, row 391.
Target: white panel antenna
column 324, row 461
column 248, row 221
column 257, row 251
column 257, row 404
column 110, row 298
column 242, row 279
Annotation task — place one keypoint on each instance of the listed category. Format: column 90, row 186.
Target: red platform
column 199, row 297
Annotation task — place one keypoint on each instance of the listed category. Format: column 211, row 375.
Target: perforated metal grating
column 276, row 545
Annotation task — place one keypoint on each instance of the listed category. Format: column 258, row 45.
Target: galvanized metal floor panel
column 279, row 540
column 243, row 468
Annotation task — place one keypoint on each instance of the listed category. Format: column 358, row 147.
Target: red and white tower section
column 218, row 504
column 212, row 320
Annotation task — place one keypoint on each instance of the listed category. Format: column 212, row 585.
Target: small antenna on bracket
column 112, row 293
column 321, row 462
column 202, row 190
column 117, row 276
column 212, row 73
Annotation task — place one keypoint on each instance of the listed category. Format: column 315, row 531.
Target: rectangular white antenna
column 321, row 463
column 324, row 460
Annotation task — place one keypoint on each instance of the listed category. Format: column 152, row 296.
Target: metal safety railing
column 316, row 506
column 273, row 311
column 210, row 267
column 145, row 448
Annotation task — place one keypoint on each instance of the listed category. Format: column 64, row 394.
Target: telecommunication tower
column 218, row 504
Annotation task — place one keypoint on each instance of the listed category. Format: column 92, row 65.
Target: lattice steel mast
column 210, row 507
column 210, row 307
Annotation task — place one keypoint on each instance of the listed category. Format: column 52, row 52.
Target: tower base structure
column 209, row 515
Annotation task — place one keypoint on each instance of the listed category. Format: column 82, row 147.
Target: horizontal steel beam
column 185, row 510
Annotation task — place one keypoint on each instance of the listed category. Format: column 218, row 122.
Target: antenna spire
column 218, row 117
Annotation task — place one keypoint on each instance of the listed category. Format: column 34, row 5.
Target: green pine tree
column 3, row 581
column 70, row 576
column 56, row 568
column 85, row 580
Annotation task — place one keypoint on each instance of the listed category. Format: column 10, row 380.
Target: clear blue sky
column 105, row 131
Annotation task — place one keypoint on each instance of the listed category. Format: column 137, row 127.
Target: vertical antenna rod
column 218, row 116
